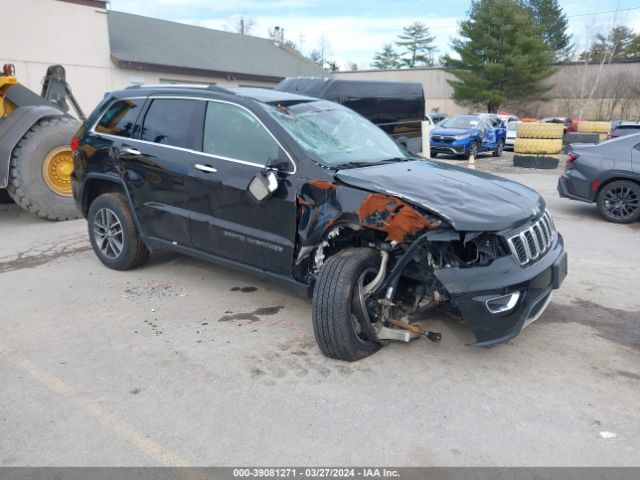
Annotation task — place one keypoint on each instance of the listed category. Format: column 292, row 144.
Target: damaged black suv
column 309, row 193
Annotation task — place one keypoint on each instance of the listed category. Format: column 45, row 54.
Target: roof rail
column 199, row 86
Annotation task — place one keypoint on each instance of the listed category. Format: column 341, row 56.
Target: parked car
column 308, row 193
column 508, row 118
column 438, row 117
column 569, row 124
column 607, row 174
column 468, row 135
column 396, row 107
column 624, row 128
column 510, row 141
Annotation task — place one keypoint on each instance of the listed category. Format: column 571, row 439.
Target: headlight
column 461, row 137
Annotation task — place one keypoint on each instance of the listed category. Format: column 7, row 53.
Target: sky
column 356, row 29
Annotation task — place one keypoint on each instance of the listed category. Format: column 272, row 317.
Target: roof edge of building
column 141, row 66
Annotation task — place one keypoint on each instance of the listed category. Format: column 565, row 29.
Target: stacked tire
column 538, row 145
column 601, row 128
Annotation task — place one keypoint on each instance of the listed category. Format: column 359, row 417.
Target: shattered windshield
column 460, row 121
column 336, row 136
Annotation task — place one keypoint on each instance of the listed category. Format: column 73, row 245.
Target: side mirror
column 279, row 164
column 263, row 185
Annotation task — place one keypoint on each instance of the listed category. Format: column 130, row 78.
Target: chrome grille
column 532, row 242
column 442, row 138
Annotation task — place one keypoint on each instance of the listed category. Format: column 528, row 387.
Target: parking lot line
column 110, row 421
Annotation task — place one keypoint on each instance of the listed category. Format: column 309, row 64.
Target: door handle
column 130, row 151
column 206, row 168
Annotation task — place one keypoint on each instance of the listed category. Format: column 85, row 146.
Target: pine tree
column 502, row 55
column 612, row 47
column 417, row 44
column 553, row 23
column 386, row 58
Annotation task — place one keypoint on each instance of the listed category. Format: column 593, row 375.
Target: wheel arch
column 96, row 184
column 614, row 177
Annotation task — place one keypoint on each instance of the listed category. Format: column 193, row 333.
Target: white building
column 103, row 50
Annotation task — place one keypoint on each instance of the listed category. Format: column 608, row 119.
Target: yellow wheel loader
column 35, row 153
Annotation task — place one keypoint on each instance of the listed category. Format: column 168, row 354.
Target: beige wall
column 616, row 91
column 39, row 33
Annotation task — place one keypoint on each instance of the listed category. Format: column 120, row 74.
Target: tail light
column 609, row 137
column 572, row 158
column 74, row 144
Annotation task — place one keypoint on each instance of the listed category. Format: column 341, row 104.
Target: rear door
column 225, row 220
column 155, row 166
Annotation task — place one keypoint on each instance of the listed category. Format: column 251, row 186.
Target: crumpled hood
column 452, row 131
column 469, row 200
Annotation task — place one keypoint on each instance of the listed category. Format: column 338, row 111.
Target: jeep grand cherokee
column 309, row 193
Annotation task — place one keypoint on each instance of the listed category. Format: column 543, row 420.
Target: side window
column 168, row 121
column 120, row 118
column 232, row 132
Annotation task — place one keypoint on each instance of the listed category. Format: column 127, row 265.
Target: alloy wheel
column 621, row 202
column 108, row 233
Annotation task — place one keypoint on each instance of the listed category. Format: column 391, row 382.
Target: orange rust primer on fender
column 323, row 184
column 391, row 215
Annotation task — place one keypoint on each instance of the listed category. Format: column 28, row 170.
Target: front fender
column 13, row 128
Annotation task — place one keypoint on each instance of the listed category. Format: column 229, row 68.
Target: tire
column 27, row 184
column 434, row 155
column 626, row 192
column 538, row 145
column 102, row 212
column 335, row 312
column 5, row 197
column 576, row 137
column 594, row 127
column 539, row 130
column 499, row 149
column 546, row 162
column 473, row 150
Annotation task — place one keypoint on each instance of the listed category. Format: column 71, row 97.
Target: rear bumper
column 504, row 276
column 572, row 185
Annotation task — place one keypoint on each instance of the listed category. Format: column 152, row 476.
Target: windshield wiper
column 353, row 165
column 370, row 164
column 395, row 159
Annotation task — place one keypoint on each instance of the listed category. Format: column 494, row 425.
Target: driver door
column 225, row 220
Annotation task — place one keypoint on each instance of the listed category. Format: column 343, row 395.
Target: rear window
column 626, row 130
column 168, row 121
column 120, row 118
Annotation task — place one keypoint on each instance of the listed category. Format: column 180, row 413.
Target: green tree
column 386, row 58
column 633, row 49
column 553, row 23
column 612, row 47
column 502, row 55
column 417, row 44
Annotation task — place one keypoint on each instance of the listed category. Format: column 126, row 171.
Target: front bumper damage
column 470, row 288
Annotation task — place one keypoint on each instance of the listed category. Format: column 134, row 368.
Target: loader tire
column 539, row 130
column 5, row 197
column 44, row 143
column 594, row 127
column 547, row 162
column 538, row 145
column 337, row 316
